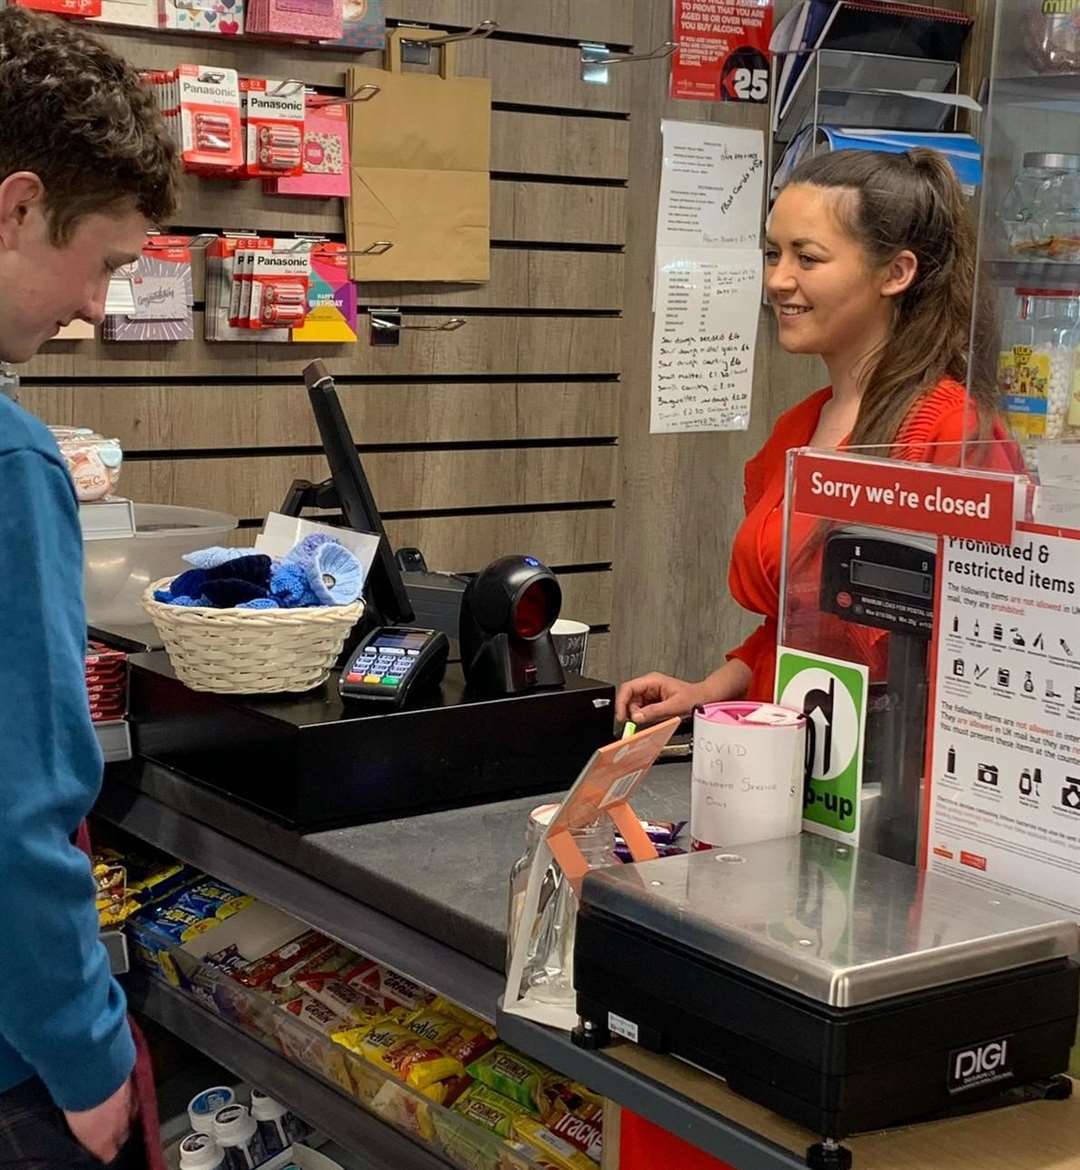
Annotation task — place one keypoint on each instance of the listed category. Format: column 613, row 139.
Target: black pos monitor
column 347, row 491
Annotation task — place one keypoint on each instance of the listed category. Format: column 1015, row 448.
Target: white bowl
column 119, row 569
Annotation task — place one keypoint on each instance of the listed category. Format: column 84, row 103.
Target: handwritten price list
column 703, row 341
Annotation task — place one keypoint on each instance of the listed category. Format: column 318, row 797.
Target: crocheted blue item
column 163, row 595
column 335, row 575
column 302, row 552
column 231, row 591
column 188, row 601
column 259, row 603
column 253, row 567
column 188, row 584
column 209, row 558
column 289, row 584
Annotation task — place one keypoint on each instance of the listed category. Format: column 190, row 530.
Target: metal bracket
column 387, row 326
column 416, row 52
column 595, row 59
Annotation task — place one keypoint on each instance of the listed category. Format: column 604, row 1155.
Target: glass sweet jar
column 1051, row 35
column 548, row 973
column 1041, row 212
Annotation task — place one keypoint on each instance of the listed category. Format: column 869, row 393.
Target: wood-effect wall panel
column 598, row 658
column 522, row 278
column 489, row 345
column 586, row 597
column 169, row 417
column 466, row 543
column 608, row 21
column 524, row 143
column 486, row 345
column 530, row 212
column 557, row 213
column 249, row 486
column 542, row 75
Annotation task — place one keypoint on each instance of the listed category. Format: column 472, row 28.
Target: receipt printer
column 843, row 989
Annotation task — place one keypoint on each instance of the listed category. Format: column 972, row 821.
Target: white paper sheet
column 707, row 307
column 280, row 533
column 710, row 186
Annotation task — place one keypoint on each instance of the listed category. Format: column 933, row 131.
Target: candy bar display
column 106, row 682
column 164, row 300
column 418, row 1061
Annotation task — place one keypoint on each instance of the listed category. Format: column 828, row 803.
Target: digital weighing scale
column 843, row 989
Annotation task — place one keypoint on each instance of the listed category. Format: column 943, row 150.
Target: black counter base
column 311, row 762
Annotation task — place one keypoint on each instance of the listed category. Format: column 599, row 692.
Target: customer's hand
column 104, row 1130
column 653, row 697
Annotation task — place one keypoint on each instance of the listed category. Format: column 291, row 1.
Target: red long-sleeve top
column 934, row 432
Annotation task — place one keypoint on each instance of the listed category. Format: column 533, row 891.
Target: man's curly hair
column 75, row 114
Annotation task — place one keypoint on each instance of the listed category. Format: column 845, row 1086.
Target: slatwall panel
column 498, row 437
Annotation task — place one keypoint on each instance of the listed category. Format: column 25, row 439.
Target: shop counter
column 427, row 896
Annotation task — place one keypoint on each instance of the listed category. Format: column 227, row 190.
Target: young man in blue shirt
column 85, row 168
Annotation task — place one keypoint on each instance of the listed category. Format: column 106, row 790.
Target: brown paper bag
column 421, row 155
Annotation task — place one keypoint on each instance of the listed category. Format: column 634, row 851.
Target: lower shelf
column 381, row 1147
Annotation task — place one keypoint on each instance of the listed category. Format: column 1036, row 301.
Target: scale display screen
column 889, row 577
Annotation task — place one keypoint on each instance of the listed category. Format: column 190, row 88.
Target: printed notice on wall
column 710, row 186
column 704, row 330
column 722, row 53
column 1004, row 809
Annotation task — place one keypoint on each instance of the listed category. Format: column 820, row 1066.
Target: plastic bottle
column 202, row 1107
column 239, row 1138
column 199, row 1151
column 277, row 1126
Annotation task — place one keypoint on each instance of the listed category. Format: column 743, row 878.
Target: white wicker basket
column 250, row 651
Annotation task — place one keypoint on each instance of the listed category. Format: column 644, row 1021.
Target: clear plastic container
column 1037, row 362
column 1051, row 34
column 548, row 974
column 1041, row 212
column 117, row 570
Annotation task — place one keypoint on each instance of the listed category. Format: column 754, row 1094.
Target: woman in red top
column 870, row 264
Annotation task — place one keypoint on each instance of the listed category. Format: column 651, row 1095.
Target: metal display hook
column 418, row 52
column 596, row 58
column 387, row 324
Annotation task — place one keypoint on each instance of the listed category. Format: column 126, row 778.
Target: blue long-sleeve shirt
column 62, row 1015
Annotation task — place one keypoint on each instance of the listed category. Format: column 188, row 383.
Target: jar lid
column 1053, row 161
column 1047, row 292
column 233, row 1125
column 203, row 1106
column 543, row 814
column 264, row 1108
column 199, row 1151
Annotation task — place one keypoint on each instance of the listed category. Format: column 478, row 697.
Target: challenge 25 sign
column 722, row 52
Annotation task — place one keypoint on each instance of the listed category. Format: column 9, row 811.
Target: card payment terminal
column 394, row 662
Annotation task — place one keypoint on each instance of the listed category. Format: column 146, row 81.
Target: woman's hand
column 653, row 697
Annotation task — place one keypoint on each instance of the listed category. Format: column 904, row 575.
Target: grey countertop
column 443, row 874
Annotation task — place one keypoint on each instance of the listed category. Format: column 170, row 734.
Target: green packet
column 489, row 1109
column 514, row 1076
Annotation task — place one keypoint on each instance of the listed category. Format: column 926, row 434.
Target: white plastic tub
column 118, row 570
